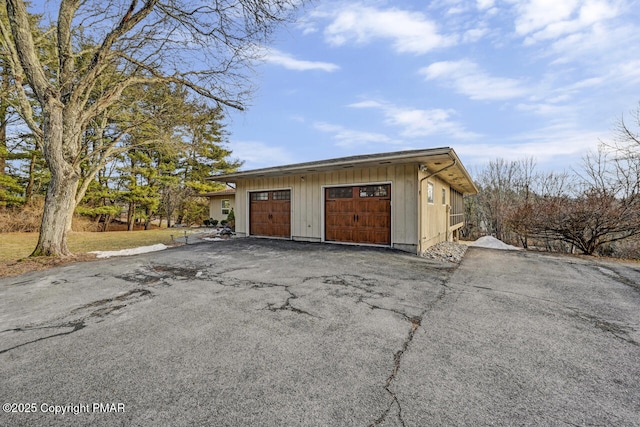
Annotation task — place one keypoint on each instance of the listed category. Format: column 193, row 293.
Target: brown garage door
column 270, row 213
column 359, row 214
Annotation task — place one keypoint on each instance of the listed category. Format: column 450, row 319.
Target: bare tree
column 504, row 185
column 599, row 206
column 588, row 210
column 588, row 221
column 104, row 47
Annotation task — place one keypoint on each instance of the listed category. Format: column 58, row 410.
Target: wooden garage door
column 359, row 214
column 270, row 213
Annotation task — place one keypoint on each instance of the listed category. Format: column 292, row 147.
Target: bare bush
column 24, row 219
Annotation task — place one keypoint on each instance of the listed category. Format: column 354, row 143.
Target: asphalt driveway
column 275, row 333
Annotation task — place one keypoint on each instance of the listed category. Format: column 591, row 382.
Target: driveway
column 278, row 333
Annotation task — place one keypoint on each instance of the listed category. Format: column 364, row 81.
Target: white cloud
column 350, row 138
column 367, row 104
column 560, row 147
column 307, row 26
column 551, row 19
column 549, row 109
column 257, row 154
column 467, row 78
column 485, row 4
column 627, row 72
column 417, row 122
column 277, row 57
column 475, row 34
column 410, row 32
column 535, row 15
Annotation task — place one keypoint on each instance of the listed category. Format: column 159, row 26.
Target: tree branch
column 31, row 66
column 23, row 99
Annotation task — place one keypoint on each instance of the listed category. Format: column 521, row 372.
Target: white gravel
column 454, row 252
column 446, row 251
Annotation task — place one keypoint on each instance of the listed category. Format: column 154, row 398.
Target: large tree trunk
column 57, row 215
column 61, row 192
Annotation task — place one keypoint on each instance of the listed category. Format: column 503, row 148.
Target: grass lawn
column 15, row 247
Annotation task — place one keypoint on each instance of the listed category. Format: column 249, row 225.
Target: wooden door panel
column 339, row 214
column 269, row 217
column 281, row 218
column 258, row 217
column 341, row 234
column 358, row 214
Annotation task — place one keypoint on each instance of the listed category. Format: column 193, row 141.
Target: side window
column 340, row 193
column 226, row 207
column 444, row 196
column 282, row 195
column 374, row 191
column 430, row 194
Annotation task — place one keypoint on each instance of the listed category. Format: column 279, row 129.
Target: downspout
column 455, row 162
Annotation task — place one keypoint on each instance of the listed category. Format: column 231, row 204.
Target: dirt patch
column 25, row 265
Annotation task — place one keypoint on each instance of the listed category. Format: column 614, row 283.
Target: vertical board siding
column 215, row 206
column 307, row 199
column 434, row 217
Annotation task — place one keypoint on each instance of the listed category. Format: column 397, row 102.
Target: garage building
column 408, row 200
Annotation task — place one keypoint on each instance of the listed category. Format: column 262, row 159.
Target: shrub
column 26, row 218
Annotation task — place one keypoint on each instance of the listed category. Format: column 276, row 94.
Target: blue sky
column 512, row 79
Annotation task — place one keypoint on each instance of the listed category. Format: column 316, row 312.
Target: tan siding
column 404, row 205
column 307, row 199
column 215, row 206
column 434, row 218
column 241, row 209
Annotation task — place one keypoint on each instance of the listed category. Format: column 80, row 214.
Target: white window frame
column 225, row 211
column 430, row 193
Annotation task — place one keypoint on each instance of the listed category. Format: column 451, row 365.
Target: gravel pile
column 446, row 251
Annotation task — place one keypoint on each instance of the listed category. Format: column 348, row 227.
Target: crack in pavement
column 98, row 309
column 178, row 272
column 397, row 358
column 617, row 276
column 150, row 275
column 287, row 304
column 618, row 331
column 76, row 325
column 124, row 297
column 353, row 282
column 415, row 321
column 155, row 274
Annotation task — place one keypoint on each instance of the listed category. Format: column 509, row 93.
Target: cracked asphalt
column 277, row 333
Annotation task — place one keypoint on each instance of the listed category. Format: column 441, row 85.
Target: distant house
column 221, row 203
column 408, row 200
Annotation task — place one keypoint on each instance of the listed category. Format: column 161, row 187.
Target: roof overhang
column 230, row 192
column 443, row 162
